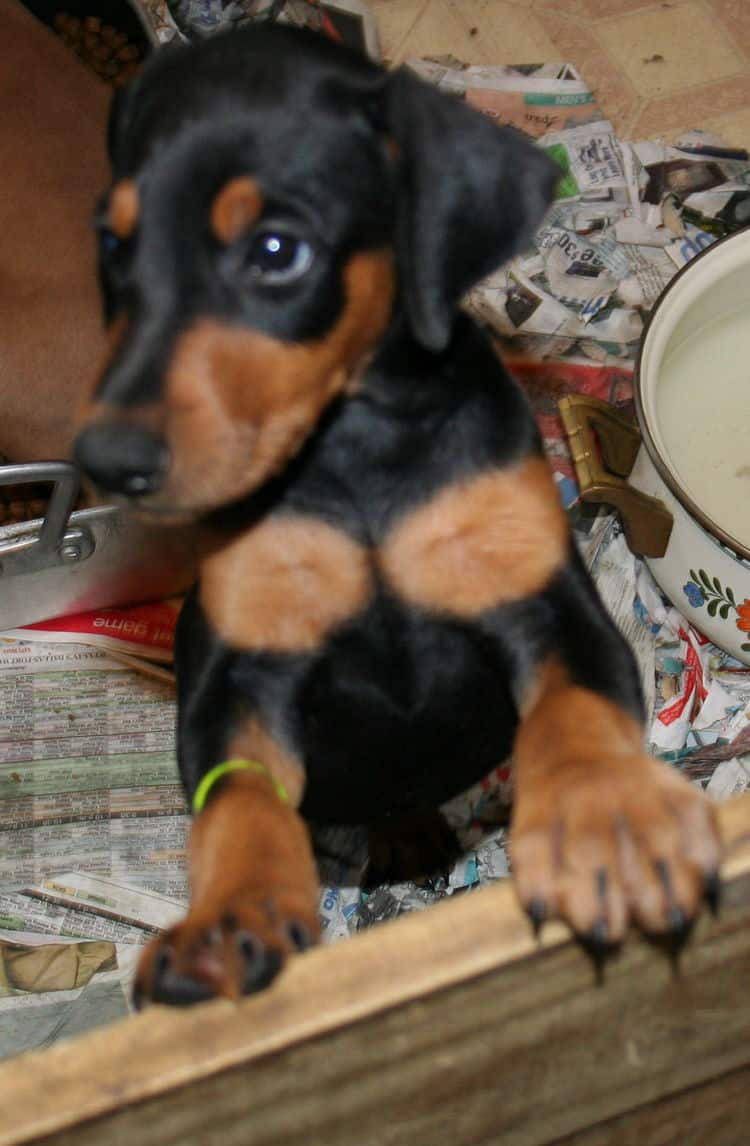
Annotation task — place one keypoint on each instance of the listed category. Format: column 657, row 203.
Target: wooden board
column 715, row 1114
column 447, row 1027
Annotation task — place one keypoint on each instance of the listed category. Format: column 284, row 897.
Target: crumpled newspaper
column 627, row 215
column 198, row 19
column 478, row 817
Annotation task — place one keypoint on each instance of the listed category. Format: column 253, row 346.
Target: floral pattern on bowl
column 702, row 590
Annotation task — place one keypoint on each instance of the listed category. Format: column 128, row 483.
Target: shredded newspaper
column 347, row 21
column 627, row 215
column 93, row 822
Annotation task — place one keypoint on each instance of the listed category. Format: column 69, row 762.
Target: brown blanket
column 52, row 167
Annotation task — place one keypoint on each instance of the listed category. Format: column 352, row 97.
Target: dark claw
column 681, row 928
column 671, row 942
column 179, row 990
column 596, row 941
column 679, row 925
column 161, row 966
column 536, row 909
column 598, row 946
column 168, row 986
column 677, row 921
column 262, row 964
column 712, row 892
column 299, row 936
column 661, row 867
column 262, row 974
column 162, row 962
column 251, row 947
column 677, row 936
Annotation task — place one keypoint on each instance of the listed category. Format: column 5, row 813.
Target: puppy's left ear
column 472, row 195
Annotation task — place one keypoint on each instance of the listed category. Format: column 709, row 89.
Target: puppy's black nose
column 122, row 459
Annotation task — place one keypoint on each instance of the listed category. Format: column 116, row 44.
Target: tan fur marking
column 239, row 404
column 237, row 205
column 564, row 722
column 252, row 741
column 252, row 871
column 483, row 542
column 284, row 585
column 602, row 834
column 230, row 829
column 124, row 205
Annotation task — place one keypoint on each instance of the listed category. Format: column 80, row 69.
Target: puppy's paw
column 236, row 949
column 604, row 845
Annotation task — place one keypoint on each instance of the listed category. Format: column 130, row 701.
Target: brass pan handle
column 603, row 460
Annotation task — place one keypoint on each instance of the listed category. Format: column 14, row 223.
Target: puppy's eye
column 109, row 244
column 278, row 257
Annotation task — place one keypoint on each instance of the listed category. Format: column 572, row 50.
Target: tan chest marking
column 478, row 544
column 284, row 585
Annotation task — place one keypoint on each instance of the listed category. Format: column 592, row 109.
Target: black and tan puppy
column 390, row 601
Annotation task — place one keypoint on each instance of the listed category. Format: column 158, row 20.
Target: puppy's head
column 273, row 198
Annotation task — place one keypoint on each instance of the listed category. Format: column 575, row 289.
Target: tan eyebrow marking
column 238, row 204
column 124, row 205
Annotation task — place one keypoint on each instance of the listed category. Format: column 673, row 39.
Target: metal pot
column 700, row 566
column 70, row 562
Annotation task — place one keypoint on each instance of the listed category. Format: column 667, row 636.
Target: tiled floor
column 657, row 66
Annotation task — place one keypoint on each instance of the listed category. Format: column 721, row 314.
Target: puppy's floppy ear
column 472, row 194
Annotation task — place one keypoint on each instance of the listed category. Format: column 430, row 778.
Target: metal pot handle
column 604, row 445
column 52, row 544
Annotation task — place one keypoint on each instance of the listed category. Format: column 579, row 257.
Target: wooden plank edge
column 715, row 1112
column 161, row 1050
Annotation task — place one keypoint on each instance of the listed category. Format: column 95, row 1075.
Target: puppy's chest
column 303, row 573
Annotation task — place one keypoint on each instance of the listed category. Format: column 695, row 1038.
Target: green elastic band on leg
column 208, row 781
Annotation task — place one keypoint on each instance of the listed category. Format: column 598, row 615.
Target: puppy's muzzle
column 122, row 459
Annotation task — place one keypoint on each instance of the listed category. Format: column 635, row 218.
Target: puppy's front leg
column 269, row 595
column 602, row 834
column 253, row 883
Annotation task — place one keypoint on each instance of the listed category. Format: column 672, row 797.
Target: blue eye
column 277, row 256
